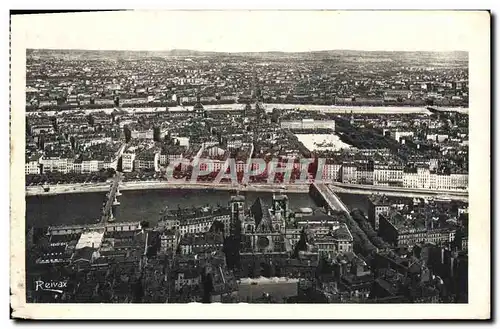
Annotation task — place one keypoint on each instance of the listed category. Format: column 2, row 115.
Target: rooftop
column 92, row 239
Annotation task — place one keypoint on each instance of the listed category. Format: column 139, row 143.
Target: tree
column 324, row 266
column 127, row 133
column 90, row 119
column 248, row 107
column 275, row 117
column 119, row 166
column 217, row 227
column 110, row 172
column 362, row 243
column 301, row 244
column 156, row 134
column 168, row 138
column 41, row 142
column 231, row 249
column 208, row 286
column 137, row 291
column 54, row 124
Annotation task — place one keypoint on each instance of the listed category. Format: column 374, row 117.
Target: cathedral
column 261, row 227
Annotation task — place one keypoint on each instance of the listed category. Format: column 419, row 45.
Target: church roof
column 260, row 211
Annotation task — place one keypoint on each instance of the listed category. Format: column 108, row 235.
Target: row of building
column 41, row 164
column 402, row 223
column 395, row 175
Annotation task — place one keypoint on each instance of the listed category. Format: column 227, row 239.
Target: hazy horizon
column 242, row 52
column 251, row 31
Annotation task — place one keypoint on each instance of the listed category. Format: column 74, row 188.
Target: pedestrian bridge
column 107, row 210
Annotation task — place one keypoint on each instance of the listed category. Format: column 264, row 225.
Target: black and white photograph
column 250, row 157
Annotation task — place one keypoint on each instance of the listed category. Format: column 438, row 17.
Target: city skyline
column 252, row 31
column 254, row 52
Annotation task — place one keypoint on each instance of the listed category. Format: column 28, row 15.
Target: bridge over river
column 322, row 193
column 114, row 191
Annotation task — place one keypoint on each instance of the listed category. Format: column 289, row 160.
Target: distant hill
column 325, row 54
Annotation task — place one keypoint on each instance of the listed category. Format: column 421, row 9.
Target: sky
column 240, row 31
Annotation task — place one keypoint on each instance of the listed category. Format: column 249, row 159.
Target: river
column 42, row 211
column 340, row 109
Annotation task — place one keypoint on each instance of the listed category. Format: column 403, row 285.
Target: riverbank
column 67, row 189
column 458, row 195
column 273, row 188
column 152, row 185
column 365, row 109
